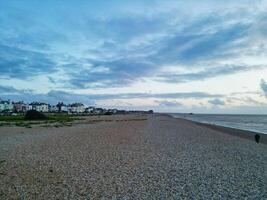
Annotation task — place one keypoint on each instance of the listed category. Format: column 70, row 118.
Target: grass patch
column 20, row 121
column 17, row 118
column 50, row 118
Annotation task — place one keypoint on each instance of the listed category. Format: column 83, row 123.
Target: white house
column 99, row 111
column 89, row 109
column 62, row 107
column 53, row 109
column 40, row 107
column 6, row 106
column 76, row 108
column 114, row 111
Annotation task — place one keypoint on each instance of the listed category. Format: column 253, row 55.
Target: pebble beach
column 130, row 157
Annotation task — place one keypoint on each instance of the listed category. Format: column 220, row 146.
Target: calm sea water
column 256, row 123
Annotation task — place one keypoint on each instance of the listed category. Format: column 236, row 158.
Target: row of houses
column 20, row 107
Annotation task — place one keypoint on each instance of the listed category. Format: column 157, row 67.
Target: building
column 76, row 108
column 113, row 111
column 53, row 108
column 89, row 109
column 99, row 111
column 20, row 106
column 62, row 107
column 6, row 106
column 40, row 107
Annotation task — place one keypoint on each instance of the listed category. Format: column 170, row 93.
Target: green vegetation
column 34, row 115
column 12, row 118
column 20, row 120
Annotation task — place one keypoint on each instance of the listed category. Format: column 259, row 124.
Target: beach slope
column 130, row 157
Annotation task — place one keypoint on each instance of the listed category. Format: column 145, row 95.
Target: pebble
column 158, row 158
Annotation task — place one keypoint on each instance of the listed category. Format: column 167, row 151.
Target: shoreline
column 246, row 134
column 130, row 157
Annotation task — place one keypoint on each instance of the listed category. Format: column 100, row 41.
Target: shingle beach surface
column 130, row 157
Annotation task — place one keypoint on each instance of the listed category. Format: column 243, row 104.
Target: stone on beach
column 130, row 157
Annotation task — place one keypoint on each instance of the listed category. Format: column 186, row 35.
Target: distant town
column 8, row 107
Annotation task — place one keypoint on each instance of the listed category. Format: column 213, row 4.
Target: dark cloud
column 176, row 48
column 197, row 95
column 185, row 95
column 208, row 73
column 120, row 73
column 55, row 95
column 169, row 103
column 131, row 45
column 211, row 44
column 217, row 102
column 19, row 63
column 7, row 89
column 191, row 45
column 11, row 90
column 69, row 97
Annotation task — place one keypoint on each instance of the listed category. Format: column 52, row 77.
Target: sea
column 256, row 123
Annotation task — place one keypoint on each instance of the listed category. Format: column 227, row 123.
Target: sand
column 130, row 157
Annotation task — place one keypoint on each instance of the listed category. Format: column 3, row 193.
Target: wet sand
column 130, row 157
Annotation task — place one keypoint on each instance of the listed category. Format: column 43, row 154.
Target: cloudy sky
column 170, row 56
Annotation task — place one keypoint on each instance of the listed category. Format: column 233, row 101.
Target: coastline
column 129, row 157
column 228, row 130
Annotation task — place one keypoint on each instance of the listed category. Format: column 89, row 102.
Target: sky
column 169, row 56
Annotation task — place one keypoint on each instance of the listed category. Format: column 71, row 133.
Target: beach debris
column 257, row 138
